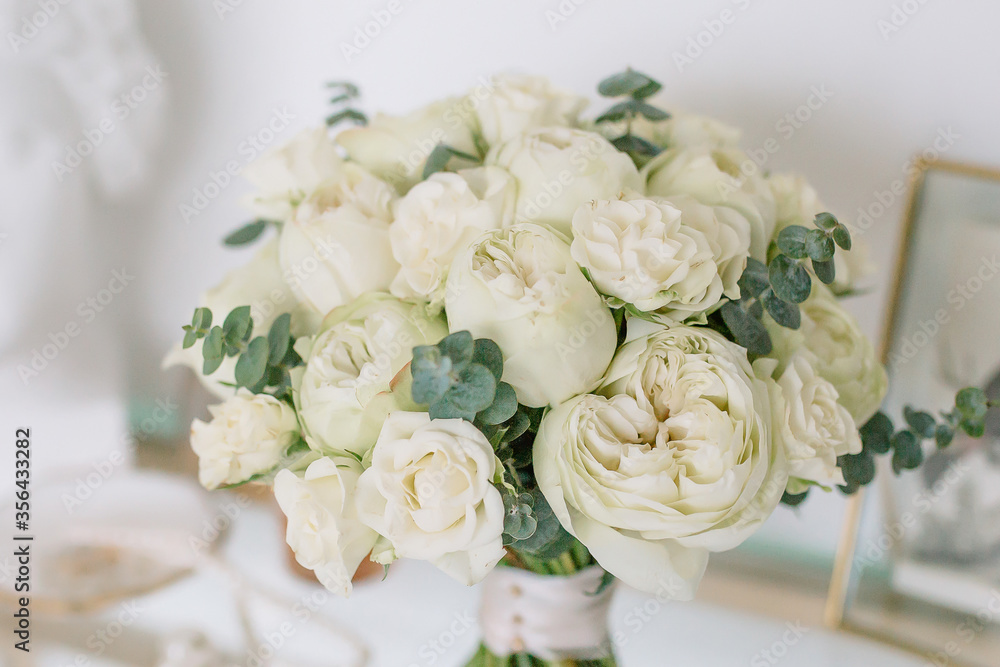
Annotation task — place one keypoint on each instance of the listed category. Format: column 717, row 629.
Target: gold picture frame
column 910, row 625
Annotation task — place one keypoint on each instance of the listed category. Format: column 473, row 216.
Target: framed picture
column 919, row 562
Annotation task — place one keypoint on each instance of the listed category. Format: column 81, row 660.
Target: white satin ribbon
column 549, row 616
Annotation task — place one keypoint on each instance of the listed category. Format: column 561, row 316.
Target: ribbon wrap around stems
column 551, row 617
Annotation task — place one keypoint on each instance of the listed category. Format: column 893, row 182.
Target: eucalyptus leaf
column 748, row 331
column 487, row 353
column 278, row 338
column 784, row 313
column 842, row 237
column 819, row 246
column 858, row 469
column 754, row 279
column 650, row 112
column 825, row 221
column 619, row 111
column 921, row 423
column 876, row 434
column 474, row 391
column 202, row 319
column 459, row 347
column 789, row 279
column 504, row 406
column 633, row 145
column 792, row 241
column 251, row 365
column 943, row 435
column 627, row 83
column 550, row 539
column 237, row 326
column 351, row 115
column 246, row 234
column 972, row 402
column 825, row 271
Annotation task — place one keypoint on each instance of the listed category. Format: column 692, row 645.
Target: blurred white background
column 222, row 79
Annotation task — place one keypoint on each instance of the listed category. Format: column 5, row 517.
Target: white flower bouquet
column 491, row 333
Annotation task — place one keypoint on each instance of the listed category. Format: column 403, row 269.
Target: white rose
column 332, row 255
column 395, row 148
column 286, row 174
column 518, row 103
column 681, row 130
column 260, row 285
column 836, row 347
column 797, row 203
column 812, row 425
column 354, row 186
column 559, row 168
column 717, row 177
column 678, row 462
column 351, row 366
column 520, row 287
column 248, row 435
column 441, row 217
column 324, row 531
column 430, row 491
column 676, row 257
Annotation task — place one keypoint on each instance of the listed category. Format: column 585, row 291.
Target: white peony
column 260, row 285
column 836, row 347
column 518, row 103
column 396, row 148
column 248, row 435
column 676, row 257
column 441, row 217
column 324, row 531
column 559, row 168
column 430, row 491
column 351, row 379
column 354, row 186
column 285, row 175
column 717, row 177
column 797, row 203
column 811, row 424
column 332, row 252
column 520, row 287
column 673, row 461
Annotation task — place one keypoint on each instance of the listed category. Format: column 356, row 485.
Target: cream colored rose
column 520, row 287
column 430, row 491
column 441, row 217
column 717, row 177
column 248, row 435
column 673, row 461
column 518, row 103
column 811, row 424
column 674, row 257
column 323, row 530
column 798, row 203
column 260, row 285
column 835, row 346
column 559, row 168
column 285, row 175
column 395, row 148
column 332, row 252
column 353, row 186
column 350, row 381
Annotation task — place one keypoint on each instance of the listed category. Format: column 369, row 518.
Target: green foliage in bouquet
column 344, row 92
column 636, row 87
column 263, row 362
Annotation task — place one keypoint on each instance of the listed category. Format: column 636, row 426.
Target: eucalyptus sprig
column 637, row 88
column 441, row 155
column 784, row 282
column 344, row 93
column 263, row 363
column 249, row 232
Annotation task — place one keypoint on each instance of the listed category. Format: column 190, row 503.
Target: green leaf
column 789, row 279
column 825, row 271
column 431, row 372
column 633, row 145
column 819, row 246
column 202, row 319
column 794, row 499
column 974, row 427
column 754, row 279
column 519, row 425
column 550, row 539
column 907, row 453
column 784, row 313
column 825, row 221
column 212, row 351
column 447, row 409
column 237, row 326
column 190, row 338
column 858, row 469
column 921, row 423
column 351, row 115
column 792, row 241
column 972, row 402
column 619, row 111
column 278, row 338
column 648, row 90
column 650, row 112
column 487, row 353
column 627, row 83
column 943, row 434
column 459, row 347
column 247, row 233
column 748, row 331
column 876, row 434
column 842, row 237
column 475, row 390
column 251, row 365
column 504, row 406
